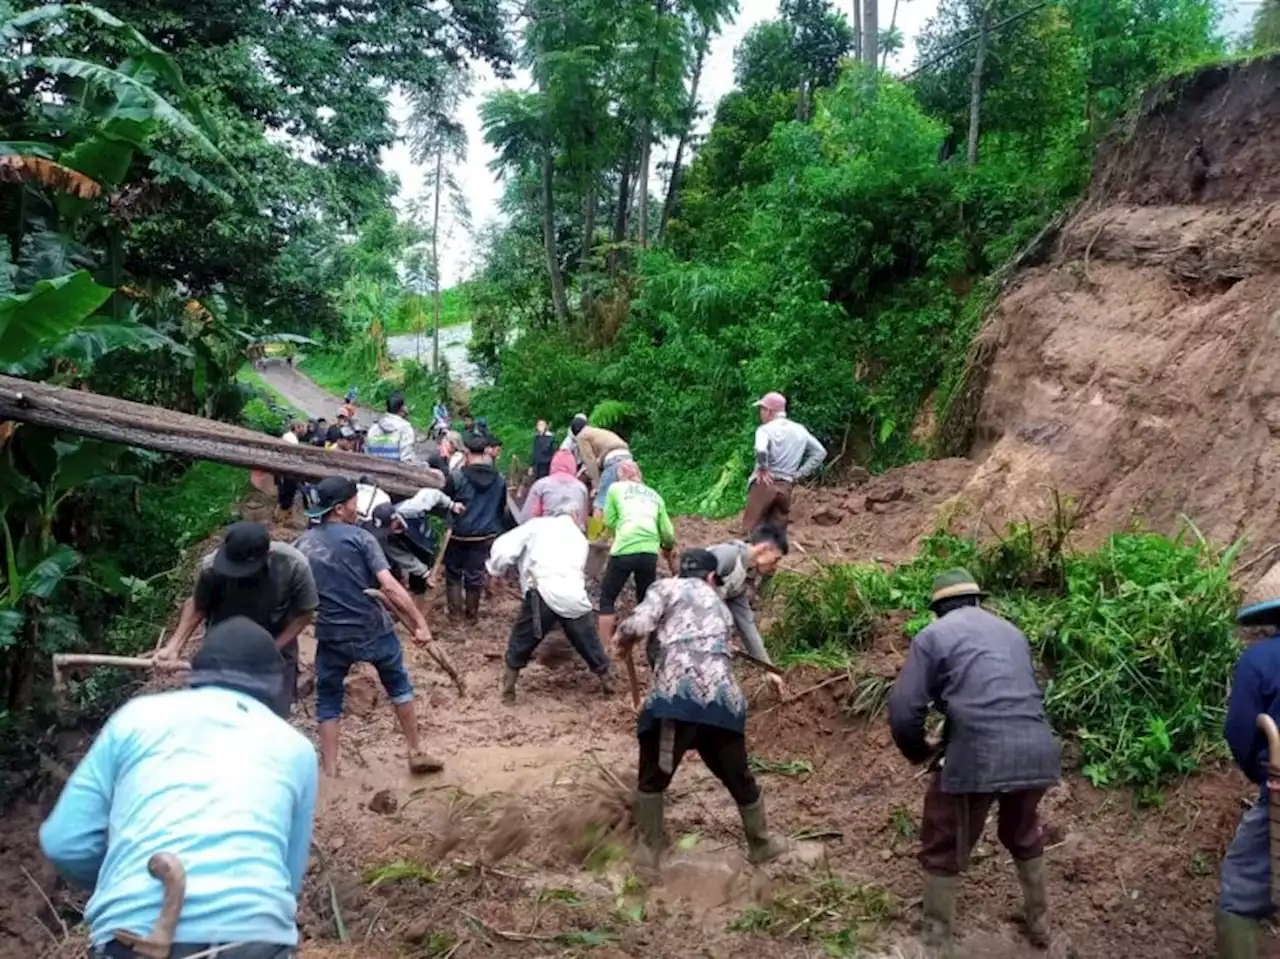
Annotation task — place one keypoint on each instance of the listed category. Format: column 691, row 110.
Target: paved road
column 305, row 396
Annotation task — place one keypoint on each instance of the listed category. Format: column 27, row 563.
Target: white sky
column 483, row 190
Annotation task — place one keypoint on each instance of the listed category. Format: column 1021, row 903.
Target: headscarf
column 564, row 463
column 630, row 470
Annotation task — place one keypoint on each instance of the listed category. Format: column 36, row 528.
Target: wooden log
column 148, row 427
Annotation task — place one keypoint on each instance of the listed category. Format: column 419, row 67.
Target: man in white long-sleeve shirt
column 785, row 452
column 551, row 554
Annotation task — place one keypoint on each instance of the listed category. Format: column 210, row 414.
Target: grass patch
column 841, row 916
column 1136, row 639
column 400, row 871
column 417, row 313
column 790, row 768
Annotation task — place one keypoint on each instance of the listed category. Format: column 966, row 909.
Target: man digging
column 996, row 748
column 268, row 582
column 551, row 553
column 695, row 703
column 735, row 560
column 351, row 626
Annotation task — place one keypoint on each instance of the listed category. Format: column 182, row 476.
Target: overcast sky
column 483, row 190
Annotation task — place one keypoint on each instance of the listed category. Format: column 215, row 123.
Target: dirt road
column 509, row 851
column 305, row 396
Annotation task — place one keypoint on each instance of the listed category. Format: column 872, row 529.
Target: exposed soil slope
column 1137, row 369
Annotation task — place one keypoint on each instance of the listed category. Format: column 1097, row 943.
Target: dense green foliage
column 828, row 240
column 1136, row 639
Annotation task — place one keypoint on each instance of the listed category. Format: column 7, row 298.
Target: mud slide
column 1137, row 368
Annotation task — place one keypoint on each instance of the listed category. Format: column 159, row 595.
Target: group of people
column 212, row 774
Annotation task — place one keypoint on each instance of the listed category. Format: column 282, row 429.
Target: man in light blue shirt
column 211, row 775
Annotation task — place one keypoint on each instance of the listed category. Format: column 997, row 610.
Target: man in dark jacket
column 482, row 491
column 975, row 668
column 544, row 447
column 1244, row 898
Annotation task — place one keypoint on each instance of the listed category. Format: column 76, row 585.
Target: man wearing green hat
column 996, row 748
column 1244, row 896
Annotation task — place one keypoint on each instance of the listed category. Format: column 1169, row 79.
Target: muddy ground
column 494, row 857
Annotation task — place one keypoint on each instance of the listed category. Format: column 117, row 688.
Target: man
column 392, row 436
column 570, row 441
column 761, row 554
column 320, row 435
column 560, row 490
column 544, row 449
column 602, row 452
column 1244, row 899
column 996, row 747
column 267, row 582
column 482, row 492
column 287, row 486
column 637, row 516
column 551, row 554
column 785, row 453
column 695, row 703
column 211, row 775
column 353, row 628
column 406, row 537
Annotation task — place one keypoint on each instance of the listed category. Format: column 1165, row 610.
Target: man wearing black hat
column 482, row 492
column 351, row 627
column 212, row 775
column 695, row 703
column 250, row 575
column 997, row 749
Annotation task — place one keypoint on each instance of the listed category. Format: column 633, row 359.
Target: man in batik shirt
column 695, row 703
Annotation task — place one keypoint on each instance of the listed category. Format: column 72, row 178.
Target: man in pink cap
column 785, row 452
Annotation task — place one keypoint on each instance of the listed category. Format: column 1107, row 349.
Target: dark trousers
column 536, row 619
column 723, row 751
column 290, row 691
column 953, row 825
column 464, row 562
column 643, row 566
column 182, row 950
column 767, row 504
column 286, row 492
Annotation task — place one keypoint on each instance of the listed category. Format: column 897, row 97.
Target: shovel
column 165, row 867
column 441, row 658
column 1268, row 727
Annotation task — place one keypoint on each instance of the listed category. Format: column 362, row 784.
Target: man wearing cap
column 1244, row 897
column 212, row 775
column 602, row 452
column 408, row 550
column 996, row 748
column 482, row 492
column 253, row 576
column 785, row 452
column 352, row 627
column 695, row 703
column 550, row 552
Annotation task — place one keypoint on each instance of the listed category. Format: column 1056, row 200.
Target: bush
column 1136, row 639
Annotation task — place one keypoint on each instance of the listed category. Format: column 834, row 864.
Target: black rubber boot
column 473, row 604
column 648, row 814
column 762, row 846
column 509, row 677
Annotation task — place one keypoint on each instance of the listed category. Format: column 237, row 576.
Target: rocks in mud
column 856, row 476
column 885, row 493
column 384, row 802
column 827, row 516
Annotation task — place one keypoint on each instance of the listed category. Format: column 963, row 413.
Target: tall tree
column 871, row 33
column 691, row 114
column 981, row 16
column 1266, row 26
column 437, row 137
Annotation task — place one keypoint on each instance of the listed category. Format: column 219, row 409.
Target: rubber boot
column 1237, row 936
column 648, row 812
column 761, row 846
column 1035, row 900
column 509, row 677
column 473, row 604
column 453, row 597
column 939, row 914
column 606, row 683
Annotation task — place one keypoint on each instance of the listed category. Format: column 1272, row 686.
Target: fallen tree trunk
column 136, row 424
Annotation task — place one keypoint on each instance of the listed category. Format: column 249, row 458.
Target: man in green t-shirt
column 637, row 518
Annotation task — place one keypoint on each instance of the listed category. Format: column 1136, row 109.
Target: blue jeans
column 334, row 658
column 1245, row 888
column 609, row 476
